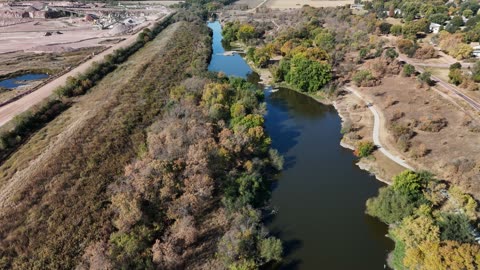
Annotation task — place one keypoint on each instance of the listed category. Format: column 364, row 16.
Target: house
column 476, row 51
column 434, row 28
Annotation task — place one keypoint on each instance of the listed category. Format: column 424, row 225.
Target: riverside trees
column 429, row 232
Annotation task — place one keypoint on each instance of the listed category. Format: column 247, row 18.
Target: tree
column 246, row 32
column 407, row 47
column 455, row 76
column 396, row 30
column 365, row 149
column 391, row 53
column 308, row 75
column 362, row 76
column 456, row 65
column 325, row 41
column 467, row 13
column 439, row 18
column 408, row 70
column 425, row 78
column 455, row 227
column 271, row 249
column 390, row 206
column 413, row 231
column 411, row 183
column 384, row 28
column 457, row 21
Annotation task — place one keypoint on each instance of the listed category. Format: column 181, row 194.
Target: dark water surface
column 320, row 195
column 20, row 80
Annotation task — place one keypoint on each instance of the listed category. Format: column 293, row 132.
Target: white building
column 476, row 51
column 434, row 28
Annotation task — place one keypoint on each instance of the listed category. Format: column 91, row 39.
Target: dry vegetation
column 62, row 204
column 428, row 128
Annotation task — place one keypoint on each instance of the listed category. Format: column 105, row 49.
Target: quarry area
column 66, row 26
column 41, row 41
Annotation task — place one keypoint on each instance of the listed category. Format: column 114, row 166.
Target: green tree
column 246, row 32
column 384, row 28
column 408, row 70
column 390, row 206
column 455, row 227
column 396, row 30
column 271, row 249
column 365, row 149
column 411, row 183
column 457, row 21
column 308, row 75
column 425, row 78
column 413, row 231
column 325, row 41
column 391, row 53
column 467, row 13
column 455, row 76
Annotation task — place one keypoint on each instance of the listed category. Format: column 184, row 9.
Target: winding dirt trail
column 377, row 128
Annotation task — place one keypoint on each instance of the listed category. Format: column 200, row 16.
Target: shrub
column 425, row 78
column 408, row 70
column 362, row 77
column 432, row 124
column 455, row 76
column 425, row 52
column 365, row 149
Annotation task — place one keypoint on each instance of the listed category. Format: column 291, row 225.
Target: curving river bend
column 320, row 195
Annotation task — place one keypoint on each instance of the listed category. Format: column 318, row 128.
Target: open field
column 450, row 149
column 287, row 4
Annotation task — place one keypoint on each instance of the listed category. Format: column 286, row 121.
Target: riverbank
column 351, row 109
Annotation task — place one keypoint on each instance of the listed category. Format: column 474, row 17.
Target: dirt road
column 377, row 129
column 9, row 111
column 473, row 103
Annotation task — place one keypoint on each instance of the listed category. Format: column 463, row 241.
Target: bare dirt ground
column 287, row 4
column 67, row 35
column 354, row 112
column 7, row 112
column 452, row 153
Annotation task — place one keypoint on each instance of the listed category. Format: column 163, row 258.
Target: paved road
column 376, row 131
column 9, row 111
column 473, row 103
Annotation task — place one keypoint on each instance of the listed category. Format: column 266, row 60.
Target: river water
column 320, row 195
column 21, row 80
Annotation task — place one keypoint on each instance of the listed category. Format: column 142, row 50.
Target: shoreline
column 266, row 80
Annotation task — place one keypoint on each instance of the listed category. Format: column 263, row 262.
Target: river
column 320, row 195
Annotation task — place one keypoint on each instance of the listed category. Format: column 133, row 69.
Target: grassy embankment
column 17, row 131
column 64, row 170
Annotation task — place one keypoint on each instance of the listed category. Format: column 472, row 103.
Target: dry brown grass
column 439, row 139
column 59, row 178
